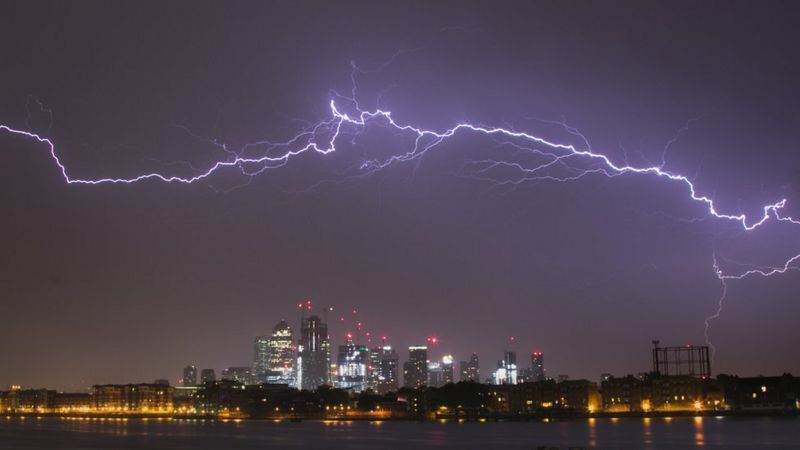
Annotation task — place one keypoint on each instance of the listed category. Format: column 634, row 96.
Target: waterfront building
column 139, row 398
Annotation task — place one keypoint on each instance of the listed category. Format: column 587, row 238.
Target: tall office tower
column 260, row 358
column 280, row 357
column 330, row 365
column 435, row 374
column 373, row 368
column 352, row 364
column 470, row 370
column 506, row 372
column 313, row 353
column 207, row 375
column 333, row 371
column 440, row 373
column 415, row 370
column 537, row 367
column 447, row 369
column 383, row 369
column 189, row 376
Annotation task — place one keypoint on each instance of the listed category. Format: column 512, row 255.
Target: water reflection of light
column 592, row 432
column 699, row 438
column 648, row 432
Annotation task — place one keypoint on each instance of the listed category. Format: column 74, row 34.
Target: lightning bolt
column 547, row 160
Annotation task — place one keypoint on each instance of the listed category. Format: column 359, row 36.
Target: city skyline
column 360, row 368
column 359, row 364
column 431, row 344
column 572, row 179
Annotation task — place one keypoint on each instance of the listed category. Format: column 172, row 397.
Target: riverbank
column 366, row 417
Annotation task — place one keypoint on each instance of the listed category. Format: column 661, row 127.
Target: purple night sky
column 130, row 282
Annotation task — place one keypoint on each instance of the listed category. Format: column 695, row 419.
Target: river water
column 629, row 433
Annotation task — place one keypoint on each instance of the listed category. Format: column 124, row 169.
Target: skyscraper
column 447, row 369
column 435, row 374
column 352, row 364
column 506, row 372
column 373, row 368
column 537, row 366
column 189, row 376
column 463, row 371
column 415, row 370
column 279, row 367
column 313, row 353
column 383, row 365
column 440, row 373
column 260, row 358
column 470, row 370
column 207, row 375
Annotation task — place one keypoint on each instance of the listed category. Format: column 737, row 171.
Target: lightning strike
column 322, row 138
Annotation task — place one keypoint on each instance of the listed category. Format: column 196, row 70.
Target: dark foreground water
column 656, row 433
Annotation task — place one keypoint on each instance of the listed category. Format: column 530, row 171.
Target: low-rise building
column 136, row 398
